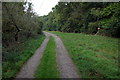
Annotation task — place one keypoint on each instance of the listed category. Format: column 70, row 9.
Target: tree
column 19, row 22
column 84, row 18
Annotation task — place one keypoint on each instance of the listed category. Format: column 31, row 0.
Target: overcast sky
column 43, row 7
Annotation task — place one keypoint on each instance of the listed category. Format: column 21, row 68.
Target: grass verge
column 94, row 56
column 13, row 60
column 48, row 67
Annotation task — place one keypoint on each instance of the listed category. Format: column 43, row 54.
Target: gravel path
column 65, row 65
column 28, row 70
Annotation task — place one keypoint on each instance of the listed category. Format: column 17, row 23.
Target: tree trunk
column 11, row 17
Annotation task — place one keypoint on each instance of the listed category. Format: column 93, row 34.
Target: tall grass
column 94, row 56
column 14, row 59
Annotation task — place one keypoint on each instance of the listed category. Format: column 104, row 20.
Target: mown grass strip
column 48, row 67
column 14, row 59
column 95, row 56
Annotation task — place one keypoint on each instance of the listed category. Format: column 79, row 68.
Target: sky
column 43, row 7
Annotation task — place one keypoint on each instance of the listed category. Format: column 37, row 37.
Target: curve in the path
column 28, row 70
column 65, row 65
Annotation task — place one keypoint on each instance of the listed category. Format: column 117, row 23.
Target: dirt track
column 28, row 70
column 65, row 65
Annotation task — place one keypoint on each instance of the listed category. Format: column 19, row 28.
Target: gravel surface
column 65, row 65
column 28, row 70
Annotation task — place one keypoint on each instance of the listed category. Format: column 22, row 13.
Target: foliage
column 19, row 22
column 94, row 56
column 85, row 18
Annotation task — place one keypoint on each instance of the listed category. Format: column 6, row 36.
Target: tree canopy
column 84, row 18
column 19, row 22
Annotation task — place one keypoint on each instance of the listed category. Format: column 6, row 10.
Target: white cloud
column 43, row 7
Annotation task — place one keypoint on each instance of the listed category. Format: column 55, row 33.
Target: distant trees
column 84, row 17
column 19, row 22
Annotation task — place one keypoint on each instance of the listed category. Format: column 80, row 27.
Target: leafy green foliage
column 48, row 66
column 19, row 23
column 94, row 56
column 84, row 18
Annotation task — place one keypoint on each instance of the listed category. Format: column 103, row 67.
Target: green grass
column 94, row 56
column 48, row 67
column 14, row 59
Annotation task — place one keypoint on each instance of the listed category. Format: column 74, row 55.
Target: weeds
column 14, row 59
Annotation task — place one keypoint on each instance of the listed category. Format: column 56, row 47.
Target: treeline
column 90, row 18
column 19, row 23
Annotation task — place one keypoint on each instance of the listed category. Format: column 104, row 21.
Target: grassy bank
column 48, row 67
column 94, row 56
column 14, row 59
